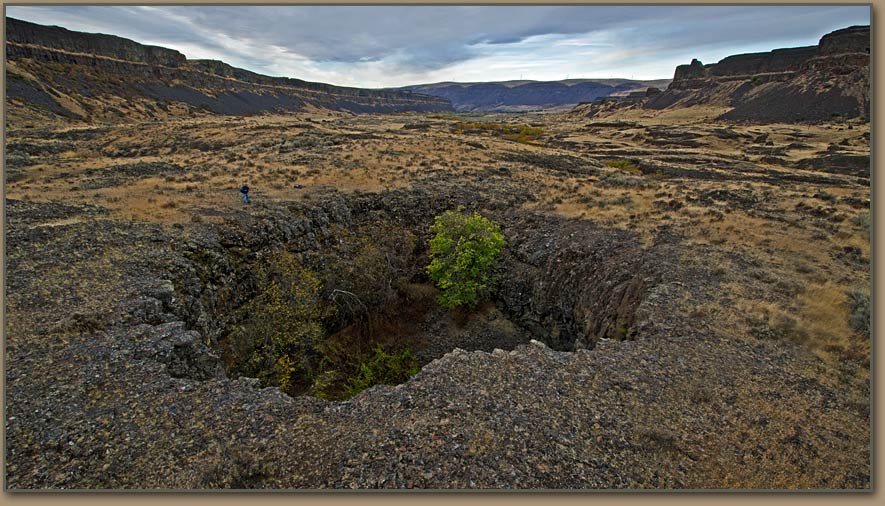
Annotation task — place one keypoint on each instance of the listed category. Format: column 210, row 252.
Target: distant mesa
column 812, row 83
column 854, row 39
column 52, row 72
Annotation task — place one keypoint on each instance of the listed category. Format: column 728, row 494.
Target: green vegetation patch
column 464, row 251
column 521, row 133
column 383, row 368
column 624, row 165
column 293, row 337
column 280, row 329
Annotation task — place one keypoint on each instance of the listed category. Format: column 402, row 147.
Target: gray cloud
column 337, row 42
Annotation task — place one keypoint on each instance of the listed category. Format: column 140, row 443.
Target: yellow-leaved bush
column 281, row 332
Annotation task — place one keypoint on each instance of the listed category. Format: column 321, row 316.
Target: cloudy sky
column 379, row 46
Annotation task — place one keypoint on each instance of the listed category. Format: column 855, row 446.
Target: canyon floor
column 681, row 305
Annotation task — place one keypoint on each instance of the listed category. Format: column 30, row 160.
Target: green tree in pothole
column 464, row 251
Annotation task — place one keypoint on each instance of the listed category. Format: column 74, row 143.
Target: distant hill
column 529, row 95
column 52, row 72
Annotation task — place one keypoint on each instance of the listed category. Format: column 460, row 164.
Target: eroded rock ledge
column 805, row 84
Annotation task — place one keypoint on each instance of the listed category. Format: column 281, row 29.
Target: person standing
column 245, row 191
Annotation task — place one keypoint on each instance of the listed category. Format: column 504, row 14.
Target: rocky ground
column 675, row 309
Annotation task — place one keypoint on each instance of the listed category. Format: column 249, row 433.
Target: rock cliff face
column 813, row 83
column 777, row 64
column 25, row 33
column 854, row 39
column 51, row 70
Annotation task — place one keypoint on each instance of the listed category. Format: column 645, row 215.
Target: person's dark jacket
column 244, row 189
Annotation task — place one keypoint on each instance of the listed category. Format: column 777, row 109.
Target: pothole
column 332, row 331
column 353, row 310
column 345, row 303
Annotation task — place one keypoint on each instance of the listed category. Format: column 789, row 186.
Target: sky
column 389, row 46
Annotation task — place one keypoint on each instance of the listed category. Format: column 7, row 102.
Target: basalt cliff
column 52, row 71
column 806, row 84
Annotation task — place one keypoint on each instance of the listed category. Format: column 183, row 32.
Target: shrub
column 525, row 135
column 829, row 197
column 463, row 252
column 623, row 200
column 862, row 220
column 657, row 174
column 860, row 312
column 621, row 180
column 383, row 368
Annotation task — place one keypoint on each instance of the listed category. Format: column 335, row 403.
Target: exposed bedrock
column 571, row 283
column 23, row 32
column 567, row 282
column 855, row 39
column 815, row 83
column 75, row 73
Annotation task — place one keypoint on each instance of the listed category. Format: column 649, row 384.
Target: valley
column 683, row 297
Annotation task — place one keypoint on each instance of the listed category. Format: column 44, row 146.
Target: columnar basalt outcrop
column 688, row 76
column 812, row 83
column 779, row 60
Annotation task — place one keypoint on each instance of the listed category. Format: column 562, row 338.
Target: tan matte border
column 523, row 497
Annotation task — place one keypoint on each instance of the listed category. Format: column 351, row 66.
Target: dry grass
column 799, row 277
